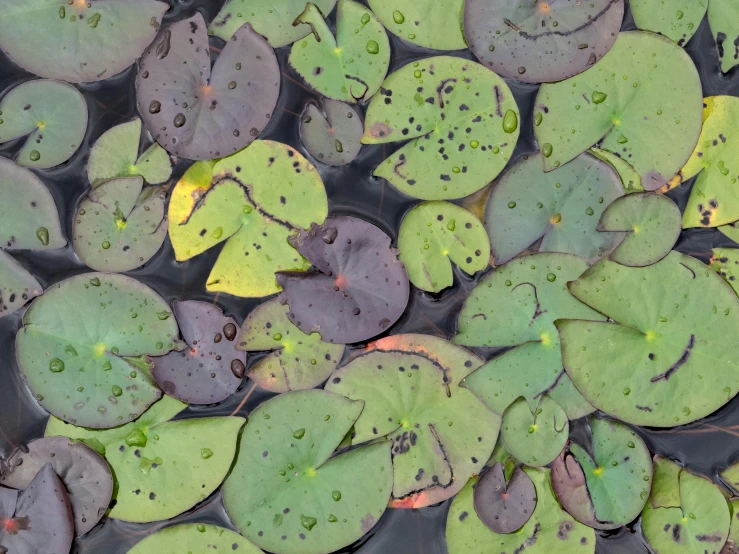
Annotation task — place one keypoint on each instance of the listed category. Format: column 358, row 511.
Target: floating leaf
column 287, row 494
column 622, row 103
column 84, row 473
column 651, row 223
column 52, row 114
column 629, row 177
column 73, row 341
column 350, row 67
column 161, row 467
column 211, row 369
column 331, row 132
column 504, row 507
column 541, row 42
column 678, row 20
column 672, row 329
column 724, row 262
column 17, row 285
column 436, row 24
column 194, row 537
column 463, row 118
column 360, row 288
column 198, row 114
column 535, row 437
column 296, row 361
column 434, row 235
column 560, row 207
column 117, row 227
column 116, row 154
column 722, row 17
column 256, row 198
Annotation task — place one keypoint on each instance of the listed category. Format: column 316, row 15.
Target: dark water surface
column 704, row 447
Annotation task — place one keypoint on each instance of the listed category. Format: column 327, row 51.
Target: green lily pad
column 560, row 207
column 287, row 494
column 161, row 467
column 724, row 262
column 331, row 132
column 622, row 104
column 441, row 433
column 17, row 285
column 72, row 345
column 673, row 330
column 665, row 484
column 435, row 24
column 730, row 476
column 463, row 118
column 255, row 199
column 116, row 154
column 535, row 437
column 117, row 227
column 550, row 530
column 629, row 177
column 732, row 543
column 731, row 230
column 271, row 18
column 434, row 235
column 605, row 483
column 723, row 16
column 677, row 20
column 52, row 114
column 651, row 223
column 194, row 537
column 350, row 67
column 79, row 41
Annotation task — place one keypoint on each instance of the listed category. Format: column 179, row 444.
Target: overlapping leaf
column 535, row 436
column 629, row 177
column 331, row 132
column 17, row 285
column 194, row 537
column 723, row 16
column 678, row 21
column 435, row 24
column 724, row 261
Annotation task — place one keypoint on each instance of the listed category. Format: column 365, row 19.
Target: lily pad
column 287, row 494
column 504, row 507
column 331, row 132
column 463, row 118
column 550, row 530
column 271, row 18
column 606, row 482
column 350, row 67
column 295, row 361
column 724, row 262
column 560, row 207
column 535, row 437
column 434, row 24
column 672, row 329
column 630, row 179
column 194, row 537
column 17, row 285
column 622, row 104
column 541, row 42
column 211, row 369
column 730, row 476
column 678, row 20
column 72, row 345
column 116, row 154
column 52, row 114
column 161, row 467
column 722, row 17
column 651, row 223
column 78, row 42
column 198, row 114
column 256, row 199
column 732, row 543
column 351, row 297
column 84, row 474
column 434, row 235
column 731, row 230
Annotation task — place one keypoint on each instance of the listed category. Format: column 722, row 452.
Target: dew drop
column 372, row 47
column 42, row 234
column 56, row 365
column 206, row 453
column 179, row 120
column 551, row 277
column 155, row 106
column 510, row 121
column 34, row 156
column 398, row 17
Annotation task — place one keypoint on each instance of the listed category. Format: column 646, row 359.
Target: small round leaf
column 504, row 507
column 331, row 132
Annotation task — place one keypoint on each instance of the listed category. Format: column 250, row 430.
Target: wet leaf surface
column 723, row 16
column 504, row 507
column 630, row 179
column 17, row 285
column 194, row 537
column 331, row 132
column 535, row 436
column 724, row 261
column 677, row 20
column 433, row 24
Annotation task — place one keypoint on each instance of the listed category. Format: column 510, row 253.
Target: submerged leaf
column 194, row 537
column 331, row 132
column 436, row 24
column 678, row 20
column 535, row 436
column 504, row 507
column 17, row 285
column 723, row 17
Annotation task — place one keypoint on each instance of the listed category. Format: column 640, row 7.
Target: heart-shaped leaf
column 672, row 329
column 463, row 118
column 436, row 24
column 360, row 288
column 73, row 341
column 678, row 20
column 630, row 179
column 84, row 473
column 723, row 16
column 287, row 494
column 622, row 104
column 331, row 132
column 211, row 369
column 161, row 467
column 434, row 235
column 194, row 537
column 535, row 436
column 560, row 207
column 651, row 223
column 724, row 261
column 17, row 285
column 350, row 67
column 198, row 114
column 295, row 361
column 504, row 507
column 116, row 154
column 541, row 42
column 52, row 114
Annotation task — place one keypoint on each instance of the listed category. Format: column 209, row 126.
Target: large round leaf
column 673, row 330
column 199, row 114
column 536, row 434
column 78, row 41
column 541, row 42
column 724, row 262
column 622, row 103
column 463, row 118
column 723, row 16
column 194, row 537
column 161, row 467
column 17, row 286
column 287, row 494
column 73, row 341
column 678, row 20
column 331, row 132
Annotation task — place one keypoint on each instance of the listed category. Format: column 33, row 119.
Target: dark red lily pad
column 360, row 288
column 201, row 115
column 211, row 369
column 570, row 487
column 504, row 507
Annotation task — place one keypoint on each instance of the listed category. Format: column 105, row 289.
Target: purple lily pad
column 331, row 131
column 504, row 507
column 201, row 115
column 211, row 369
column 568, row 482
column 360, row 288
